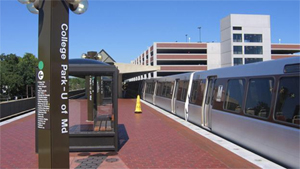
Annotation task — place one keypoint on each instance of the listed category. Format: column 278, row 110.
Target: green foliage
column 76, row 83
column 17, row 73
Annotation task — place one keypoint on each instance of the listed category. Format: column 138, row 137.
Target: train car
column 254, row 105
column 171, row 93
column 148, row 90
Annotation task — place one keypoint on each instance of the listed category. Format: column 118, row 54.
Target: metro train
column 254, row 105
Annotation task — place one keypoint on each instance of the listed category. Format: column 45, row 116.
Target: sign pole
column 53, row 85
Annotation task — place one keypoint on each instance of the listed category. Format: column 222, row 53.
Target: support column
column 52, row 84
column 120, row 92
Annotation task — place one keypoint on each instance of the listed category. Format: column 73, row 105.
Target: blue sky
column 127, row 28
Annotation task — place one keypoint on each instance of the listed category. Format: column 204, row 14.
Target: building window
column 234, row 95
column 253, row 37
column 237, row 28
column 252, row 60
column 237, row 61
column 237, row 37
column 287, row 104
column 254, row 50
column 259, row 97
column 237, row 50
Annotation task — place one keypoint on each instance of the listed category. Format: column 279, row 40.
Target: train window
column 182, row 90
column 159, row 89
column 292, row 68
column 234, row 95
column 165, row 89
column 150, row 87
column 287, row 104
column 196, row 94
column 169, row 89
column 259, row 97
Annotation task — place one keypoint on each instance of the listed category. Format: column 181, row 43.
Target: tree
column 10, row 79
column 16, row 74
column 27, row 68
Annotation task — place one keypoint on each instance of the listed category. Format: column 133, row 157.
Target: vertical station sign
column 52, row 84
column 90, row 96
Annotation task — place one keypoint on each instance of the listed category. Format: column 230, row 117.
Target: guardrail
column 13, row 108
column 16, row 107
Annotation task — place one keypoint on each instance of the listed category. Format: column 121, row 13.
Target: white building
column 245, row 39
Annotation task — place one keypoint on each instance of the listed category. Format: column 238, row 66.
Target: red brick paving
column 155, row 141
column 17, row 144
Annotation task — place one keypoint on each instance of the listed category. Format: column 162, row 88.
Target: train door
column 206, row 113
column 174, row 96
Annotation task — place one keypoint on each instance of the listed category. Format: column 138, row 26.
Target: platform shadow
column 123, row 136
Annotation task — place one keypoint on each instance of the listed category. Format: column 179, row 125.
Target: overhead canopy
column 131, row 70
column 85, row 67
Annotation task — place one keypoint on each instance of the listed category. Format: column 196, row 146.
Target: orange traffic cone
column 138, row 108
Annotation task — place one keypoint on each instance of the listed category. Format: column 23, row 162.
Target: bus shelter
column 94, row 119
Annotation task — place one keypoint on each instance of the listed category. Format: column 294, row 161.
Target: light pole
column 199, row 34
column 186, row 37
column 52, row 108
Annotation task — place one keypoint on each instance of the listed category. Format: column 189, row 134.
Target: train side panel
column 194, row 114
column 148, row 98
column 163, row 102
column 279, row 143
column 179, row 108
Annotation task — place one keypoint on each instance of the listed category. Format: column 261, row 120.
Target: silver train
column 254, row 105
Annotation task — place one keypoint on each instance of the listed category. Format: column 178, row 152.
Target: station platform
column 151, row 139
